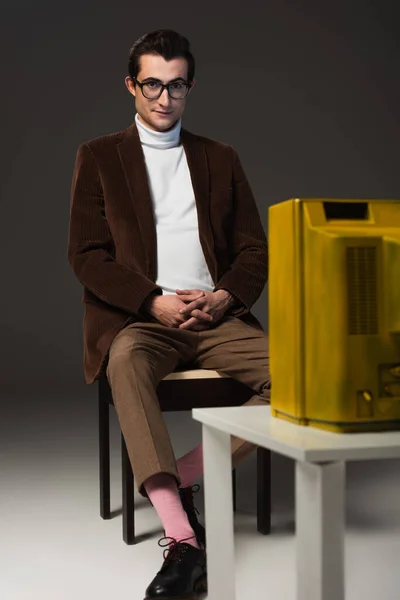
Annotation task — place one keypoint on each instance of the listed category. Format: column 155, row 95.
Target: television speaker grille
column 362, row 290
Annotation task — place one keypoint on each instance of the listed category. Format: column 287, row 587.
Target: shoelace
column 175, row 550
column 188, row 493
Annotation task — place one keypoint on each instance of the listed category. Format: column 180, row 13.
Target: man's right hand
column 165, row 309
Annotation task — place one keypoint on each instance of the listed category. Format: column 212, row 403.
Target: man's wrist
column 227, row 296
column 149, row 301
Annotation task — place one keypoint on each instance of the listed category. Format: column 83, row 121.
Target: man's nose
column 164, row 98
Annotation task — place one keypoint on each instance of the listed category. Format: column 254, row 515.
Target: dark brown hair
column 165, row 42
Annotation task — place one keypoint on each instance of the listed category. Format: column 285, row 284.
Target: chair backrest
column 192, row 388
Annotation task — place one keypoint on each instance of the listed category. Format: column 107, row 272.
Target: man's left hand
column 214, row 303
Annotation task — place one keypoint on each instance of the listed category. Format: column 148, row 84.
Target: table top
column 256, row 425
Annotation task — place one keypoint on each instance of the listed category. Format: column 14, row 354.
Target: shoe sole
column 200, row 588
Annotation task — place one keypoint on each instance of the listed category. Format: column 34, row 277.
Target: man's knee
column 126, row 353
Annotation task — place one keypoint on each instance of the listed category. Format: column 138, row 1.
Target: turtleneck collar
column 158, row 139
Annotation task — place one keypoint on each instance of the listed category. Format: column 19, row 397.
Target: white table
column 320, row 493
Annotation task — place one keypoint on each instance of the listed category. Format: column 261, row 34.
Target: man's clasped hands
column 189, row 309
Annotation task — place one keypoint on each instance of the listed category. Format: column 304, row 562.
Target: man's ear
column 130, row 85
column 192, row 84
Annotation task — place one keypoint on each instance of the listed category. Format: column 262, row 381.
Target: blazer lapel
column 134, row 166
column 199, row 172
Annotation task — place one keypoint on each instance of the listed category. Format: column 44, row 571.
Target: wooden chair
column 181, row 390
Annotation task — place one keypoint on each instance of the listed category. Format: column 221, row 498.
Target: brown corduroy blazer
column 112, row 242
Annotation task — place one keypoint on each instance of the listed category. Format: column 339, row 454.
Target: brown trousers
column 142, row 354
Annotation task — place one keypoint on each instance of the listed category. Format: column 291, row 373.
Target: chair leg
column 234, row 489
column 104, row 458
column 128, row 503
column 263, row 491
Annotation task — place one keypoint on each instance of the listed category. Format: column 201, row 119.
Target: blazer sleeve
column 248, row 273
column 91, row 251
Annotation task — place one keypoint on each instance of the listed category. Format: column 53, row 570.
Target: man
column 166, row 239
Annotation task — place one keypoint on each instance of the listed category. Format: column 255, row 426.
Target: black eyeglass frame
column 163, row 87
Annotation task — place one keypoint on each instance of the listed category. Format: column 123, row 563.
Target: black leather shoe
column 183, row 575
column 186, row 495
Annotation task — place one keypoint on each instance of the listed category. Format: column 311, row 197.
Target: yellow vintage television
column 334, row 313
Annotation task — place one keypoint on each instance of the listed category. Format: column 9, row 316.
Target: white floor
column 55, row 546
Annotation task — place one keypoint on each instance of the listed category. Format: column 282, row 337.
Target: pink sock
column 190, row 466
column 162, row 491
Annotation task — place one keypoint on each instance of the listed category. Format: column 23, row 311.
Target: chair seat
column 185, row 389
column 195, row 374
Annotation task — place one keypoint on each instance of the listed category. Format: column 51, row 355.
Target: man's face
column 155, row 67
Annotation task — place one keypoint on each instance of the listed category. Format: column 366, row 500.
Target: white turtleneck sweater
column 180, row 259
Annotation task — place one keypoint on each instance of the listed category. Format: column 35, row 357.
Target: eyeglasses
column 153, row 89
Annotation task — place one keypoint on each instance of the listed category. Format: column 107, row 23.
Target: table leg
column 320, row 493
column 219, row 514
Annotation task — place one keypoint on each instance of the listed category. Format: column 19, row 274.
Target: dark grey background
column 308, row 93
